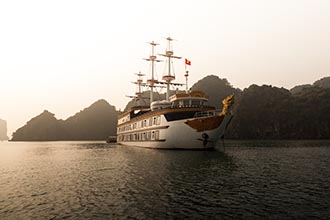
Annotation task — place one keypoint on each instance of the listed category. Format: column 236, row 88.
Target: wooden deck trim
column 205, row 124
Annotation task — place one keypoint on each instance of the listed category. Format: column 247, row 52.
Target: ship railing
column 190, row 106
column 204, row 114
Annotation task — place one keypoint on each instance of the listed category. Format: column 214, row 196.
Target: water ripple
column 245, row 180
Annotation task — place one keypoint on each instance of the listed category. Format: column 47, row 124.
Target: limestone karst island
column 260, row 112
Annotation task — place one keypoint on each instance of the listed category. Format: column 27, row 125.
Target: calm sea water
column 240, row 180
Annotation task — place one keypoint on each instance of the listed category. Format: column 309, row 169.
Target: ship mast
column 138, row 94
column 139, row 84
column 168, row 75
column 153, row 58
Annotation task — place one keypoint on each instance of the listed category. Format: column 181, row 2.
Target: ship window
column 154, row 120
column 157, row 135
column 186, row 103
column 141, row 124
column 195, row 103
column 153, row 135
column 158, row 120
column 149, row 135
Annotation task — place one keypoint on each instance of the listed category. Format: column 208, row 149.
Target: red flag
column 188, row 62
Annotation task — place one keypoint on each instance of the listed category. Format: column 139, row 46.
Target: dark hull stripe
column 143, row 130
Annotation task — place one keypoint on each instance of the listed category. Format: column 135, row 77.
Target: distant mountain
column 260, row 112
column 44, row 127
column 323, row 83
column 3, row 130
column 266, row 112
column 217, row 89
column 297, row 89
column 96, row 122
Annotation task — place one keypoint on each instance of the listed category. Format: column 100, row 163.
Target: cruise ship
column 181, row 121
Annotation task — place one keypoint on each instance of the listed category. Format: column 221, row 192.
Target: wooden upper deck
column 190, row 95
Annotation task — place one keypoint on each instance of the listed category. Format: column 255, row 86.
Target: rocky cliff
column 96, row 122
column 260, row 112
column 3, row 130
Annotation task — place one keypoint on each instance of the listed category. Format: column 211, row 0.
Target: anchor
column 205, row 139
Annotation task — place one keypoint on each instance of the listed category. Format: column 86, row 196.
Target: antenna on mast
column 168, row 76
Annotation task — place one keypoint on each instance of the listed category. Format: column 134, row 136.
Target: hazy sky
column 64, row 55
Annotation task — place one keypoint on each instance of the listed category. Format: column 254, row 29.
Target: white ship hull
column 181, row 121
column 178, row 135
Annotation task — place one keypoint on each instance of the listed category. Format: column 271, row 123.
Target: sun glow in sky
column 64, row 55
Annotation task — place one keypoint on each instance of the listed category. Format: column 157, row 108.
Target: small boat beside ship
column 111, row 139
column 181, row 121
